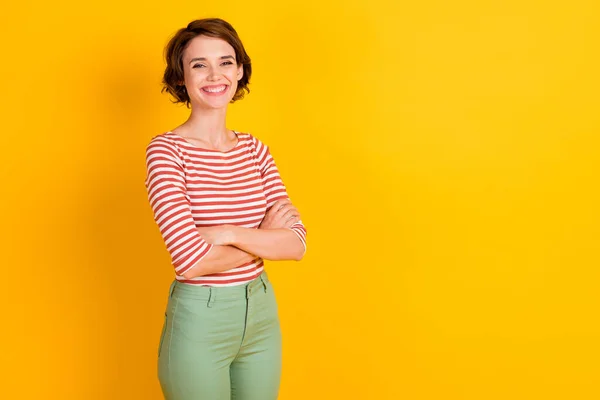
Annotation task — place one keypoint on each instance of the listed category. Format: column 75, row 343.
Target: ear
column 240, row 73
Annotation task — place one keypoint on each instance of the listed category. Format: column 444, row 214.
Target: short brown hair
column 212, row 27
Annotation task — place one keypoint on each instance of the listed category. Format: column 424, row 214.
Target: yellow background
column 444, row 156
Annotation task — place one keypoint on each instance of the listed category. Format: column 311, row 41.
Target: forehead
column 207, row 47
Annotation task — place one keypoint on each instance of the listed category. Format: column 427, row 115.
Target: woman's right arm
column 219, row 259
column 191, row 255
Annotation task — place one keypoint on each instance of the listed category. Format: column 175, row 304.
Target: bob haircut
column 211, row 27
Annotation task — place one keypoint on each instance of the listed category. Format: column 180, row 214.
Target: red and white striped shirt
column 191, row 187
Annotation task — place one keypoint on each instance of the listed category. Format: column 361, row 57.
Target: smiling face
column 210, row 72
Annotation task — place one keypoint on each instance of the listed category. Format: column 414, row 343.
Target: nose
column 213, row 74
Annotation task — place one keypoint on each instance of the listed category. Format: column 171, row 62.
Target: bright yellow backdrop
column 444, row 155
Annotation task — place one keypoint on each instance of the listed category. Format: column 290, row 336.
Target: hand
column 221, row 235
column 282, row 214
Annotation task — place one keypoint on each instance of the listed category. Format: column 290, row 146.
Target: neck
column 208, row 125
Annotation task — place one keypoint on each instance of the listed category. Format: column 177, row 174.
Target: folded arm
column 279, row 237
column 269, row 244
column 219, row 259
column 192, row 251
column 191, row 255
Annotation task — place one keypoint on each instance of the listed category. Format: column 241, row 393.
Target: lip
column 222, row 92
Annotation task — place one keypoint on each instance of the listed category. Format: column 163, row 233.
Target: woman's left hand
column 221, row 235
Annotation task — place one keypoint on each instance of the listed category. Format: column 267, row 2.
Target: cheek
column 233, row 75
column 195, row 76
column 232, row 81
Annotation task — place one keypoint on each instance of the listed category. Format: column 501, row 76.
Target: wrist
column 233, row 235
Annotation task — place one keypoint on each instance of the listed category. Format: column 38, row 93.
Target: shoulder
column 252, row 141
column 162, row 141
column 163, row 145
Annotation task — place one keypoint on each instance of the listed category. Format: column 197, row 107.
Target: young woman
column 222, row 209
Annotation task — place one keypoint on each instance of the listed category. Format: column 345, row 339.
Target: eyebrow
column 204, row 59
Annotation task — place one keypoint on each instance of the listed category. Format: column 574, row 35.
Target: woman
column 222, row 209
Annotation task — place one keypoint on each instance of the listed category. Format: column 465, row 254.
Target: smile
column 215, row 89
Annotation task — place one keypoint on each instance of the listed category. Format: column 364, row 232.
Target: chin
column 211, row 105
column 214, row 103
column 215, row 106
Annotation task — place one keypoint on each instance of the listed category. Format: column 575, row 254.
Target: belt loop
column 262, row 279
column 211, row 297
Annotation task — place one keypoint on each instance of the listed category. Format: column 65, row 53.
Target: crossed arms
column 234, row 245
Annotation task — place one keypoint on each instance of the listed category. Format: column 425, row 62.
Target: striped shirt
column 190, row 187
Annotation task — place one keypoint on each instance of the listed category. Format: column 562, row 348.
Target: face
column 211, row 72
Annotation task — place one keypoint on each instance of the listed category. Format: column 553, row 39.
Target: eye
column 227, row 63
column 198, row 65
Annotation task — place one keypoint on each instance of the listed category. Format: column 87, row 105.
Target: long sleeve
column 274, row 187
column 165, row 184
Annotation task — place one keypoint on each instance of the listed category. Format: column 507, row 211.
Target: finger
column 276, row 206
column 292, row 220
column 277, row 211
column 289, row 212
column 286, row 208
column 281, row 203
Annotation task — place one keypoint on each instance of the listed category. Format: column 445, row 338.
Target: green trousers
column 221, row 343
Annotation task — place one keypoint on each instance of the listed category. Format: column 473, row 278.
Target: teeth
column 216, row 89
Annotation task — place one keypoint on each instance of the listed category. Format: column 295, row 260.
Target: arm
column 219, row 259
column 271, row 244
column 191, row 255
column 274, row 240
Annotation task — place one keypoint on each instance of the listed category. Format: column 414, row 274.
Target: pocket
column 162, row 336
